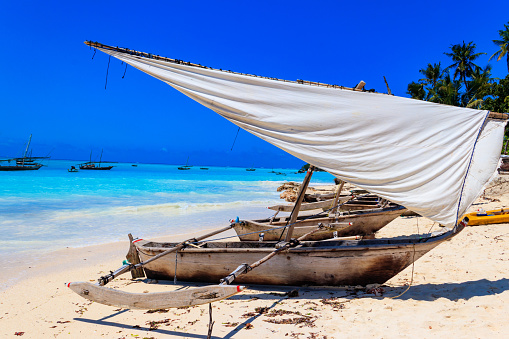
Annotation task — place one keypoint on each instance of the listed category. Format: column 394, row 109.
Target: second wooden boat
column 363, row 222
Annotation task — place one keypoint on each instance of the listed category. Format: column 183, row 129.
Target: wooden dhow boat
column 335, row 220
column 95, row 165
column 25, row 163
column 352, row 223
column 454, row 152
column 335, row 262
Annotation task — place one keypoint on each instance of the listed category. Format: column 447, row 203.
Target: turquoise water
column 51, row 208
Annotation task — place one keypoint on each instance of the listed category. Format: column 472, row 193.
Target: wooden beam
column 336, row 198
column 495, row 115
column 298, row 202
column 387, row 84
column 360, row 86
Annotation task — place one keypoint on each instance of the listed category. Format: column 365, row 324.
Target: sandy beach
column 459, row 289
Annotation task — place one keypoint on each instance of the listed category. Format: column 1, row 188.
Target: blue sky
column 52, row 88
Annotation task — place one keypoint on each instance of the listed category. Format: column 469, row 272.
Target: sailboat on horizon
column 95, row 165
column 24, row 163
column 186, row 166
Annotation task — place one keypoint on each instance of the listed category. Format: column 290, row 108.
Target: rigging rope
column 107, row 70
column 235, row 139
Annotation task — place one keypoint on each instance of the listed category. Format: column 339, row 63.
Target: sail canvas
column 433, row 159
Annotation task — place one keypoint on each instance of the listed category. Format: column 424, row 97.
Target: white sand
column 460, row 289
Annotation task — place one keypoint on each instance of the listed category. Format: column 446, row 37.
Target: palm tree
column 503, row 44
column 446, row 91
column 479, row 87
column 463, row 57
column 416, row 90
column 432, row 74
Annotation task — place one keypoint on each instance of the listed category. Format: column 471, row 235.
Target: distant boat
column 204, row 168
column 134, row 165
column 250, row 169
column 25, row 163
column 185, row 167
column 91, row 165
column 72, row 169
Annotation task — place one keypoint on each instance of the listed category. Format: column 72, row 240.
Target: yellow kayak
column 499, row 216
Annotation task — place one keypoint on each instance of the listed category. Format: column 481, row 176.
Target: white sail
column 415, row 153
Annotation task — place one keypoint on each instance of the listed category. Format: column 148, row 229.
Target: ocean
column 51, row 208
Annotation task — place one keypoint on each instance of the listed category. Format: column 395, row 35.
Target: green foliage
column 499, row 100
column 465, row 84
column 468, row 87
column 503, row 44
column 463, row 57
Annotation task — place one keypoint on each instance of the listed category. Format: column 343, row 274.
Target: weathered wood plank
column 156, row 300
column 133, row 258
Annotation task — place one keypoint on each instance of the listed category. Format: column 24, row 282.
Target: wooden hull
column 362, row 223
column 499, row 216
column 103, row 168
column 322, row 263
column 31, row 167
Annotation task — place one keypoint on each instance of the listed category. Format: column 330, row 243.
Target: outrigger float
column 433, row 159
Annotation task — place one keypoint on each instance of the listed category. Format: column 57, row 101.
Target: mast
column 101, row 158
column 298, row 202
column 28, row 145
column 26, row 150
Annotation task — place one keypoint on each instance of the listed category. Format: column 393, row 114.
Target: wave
column 165, row 209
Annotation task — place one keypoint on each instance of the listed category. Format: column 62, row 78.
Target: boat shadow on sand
column 340, row 295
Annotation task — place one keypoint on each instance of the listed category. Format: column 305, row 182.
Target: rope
column 235, row 139
column 411, row 278
column 469, row 164
column 124, row 70
column 107, row 70
column 175, row 276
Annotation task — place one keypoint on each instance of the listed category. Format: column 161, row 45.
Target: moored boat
column 340, row 225
column 321, row 263
column 95, row 165
column 454, row 152
column 25, row 163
